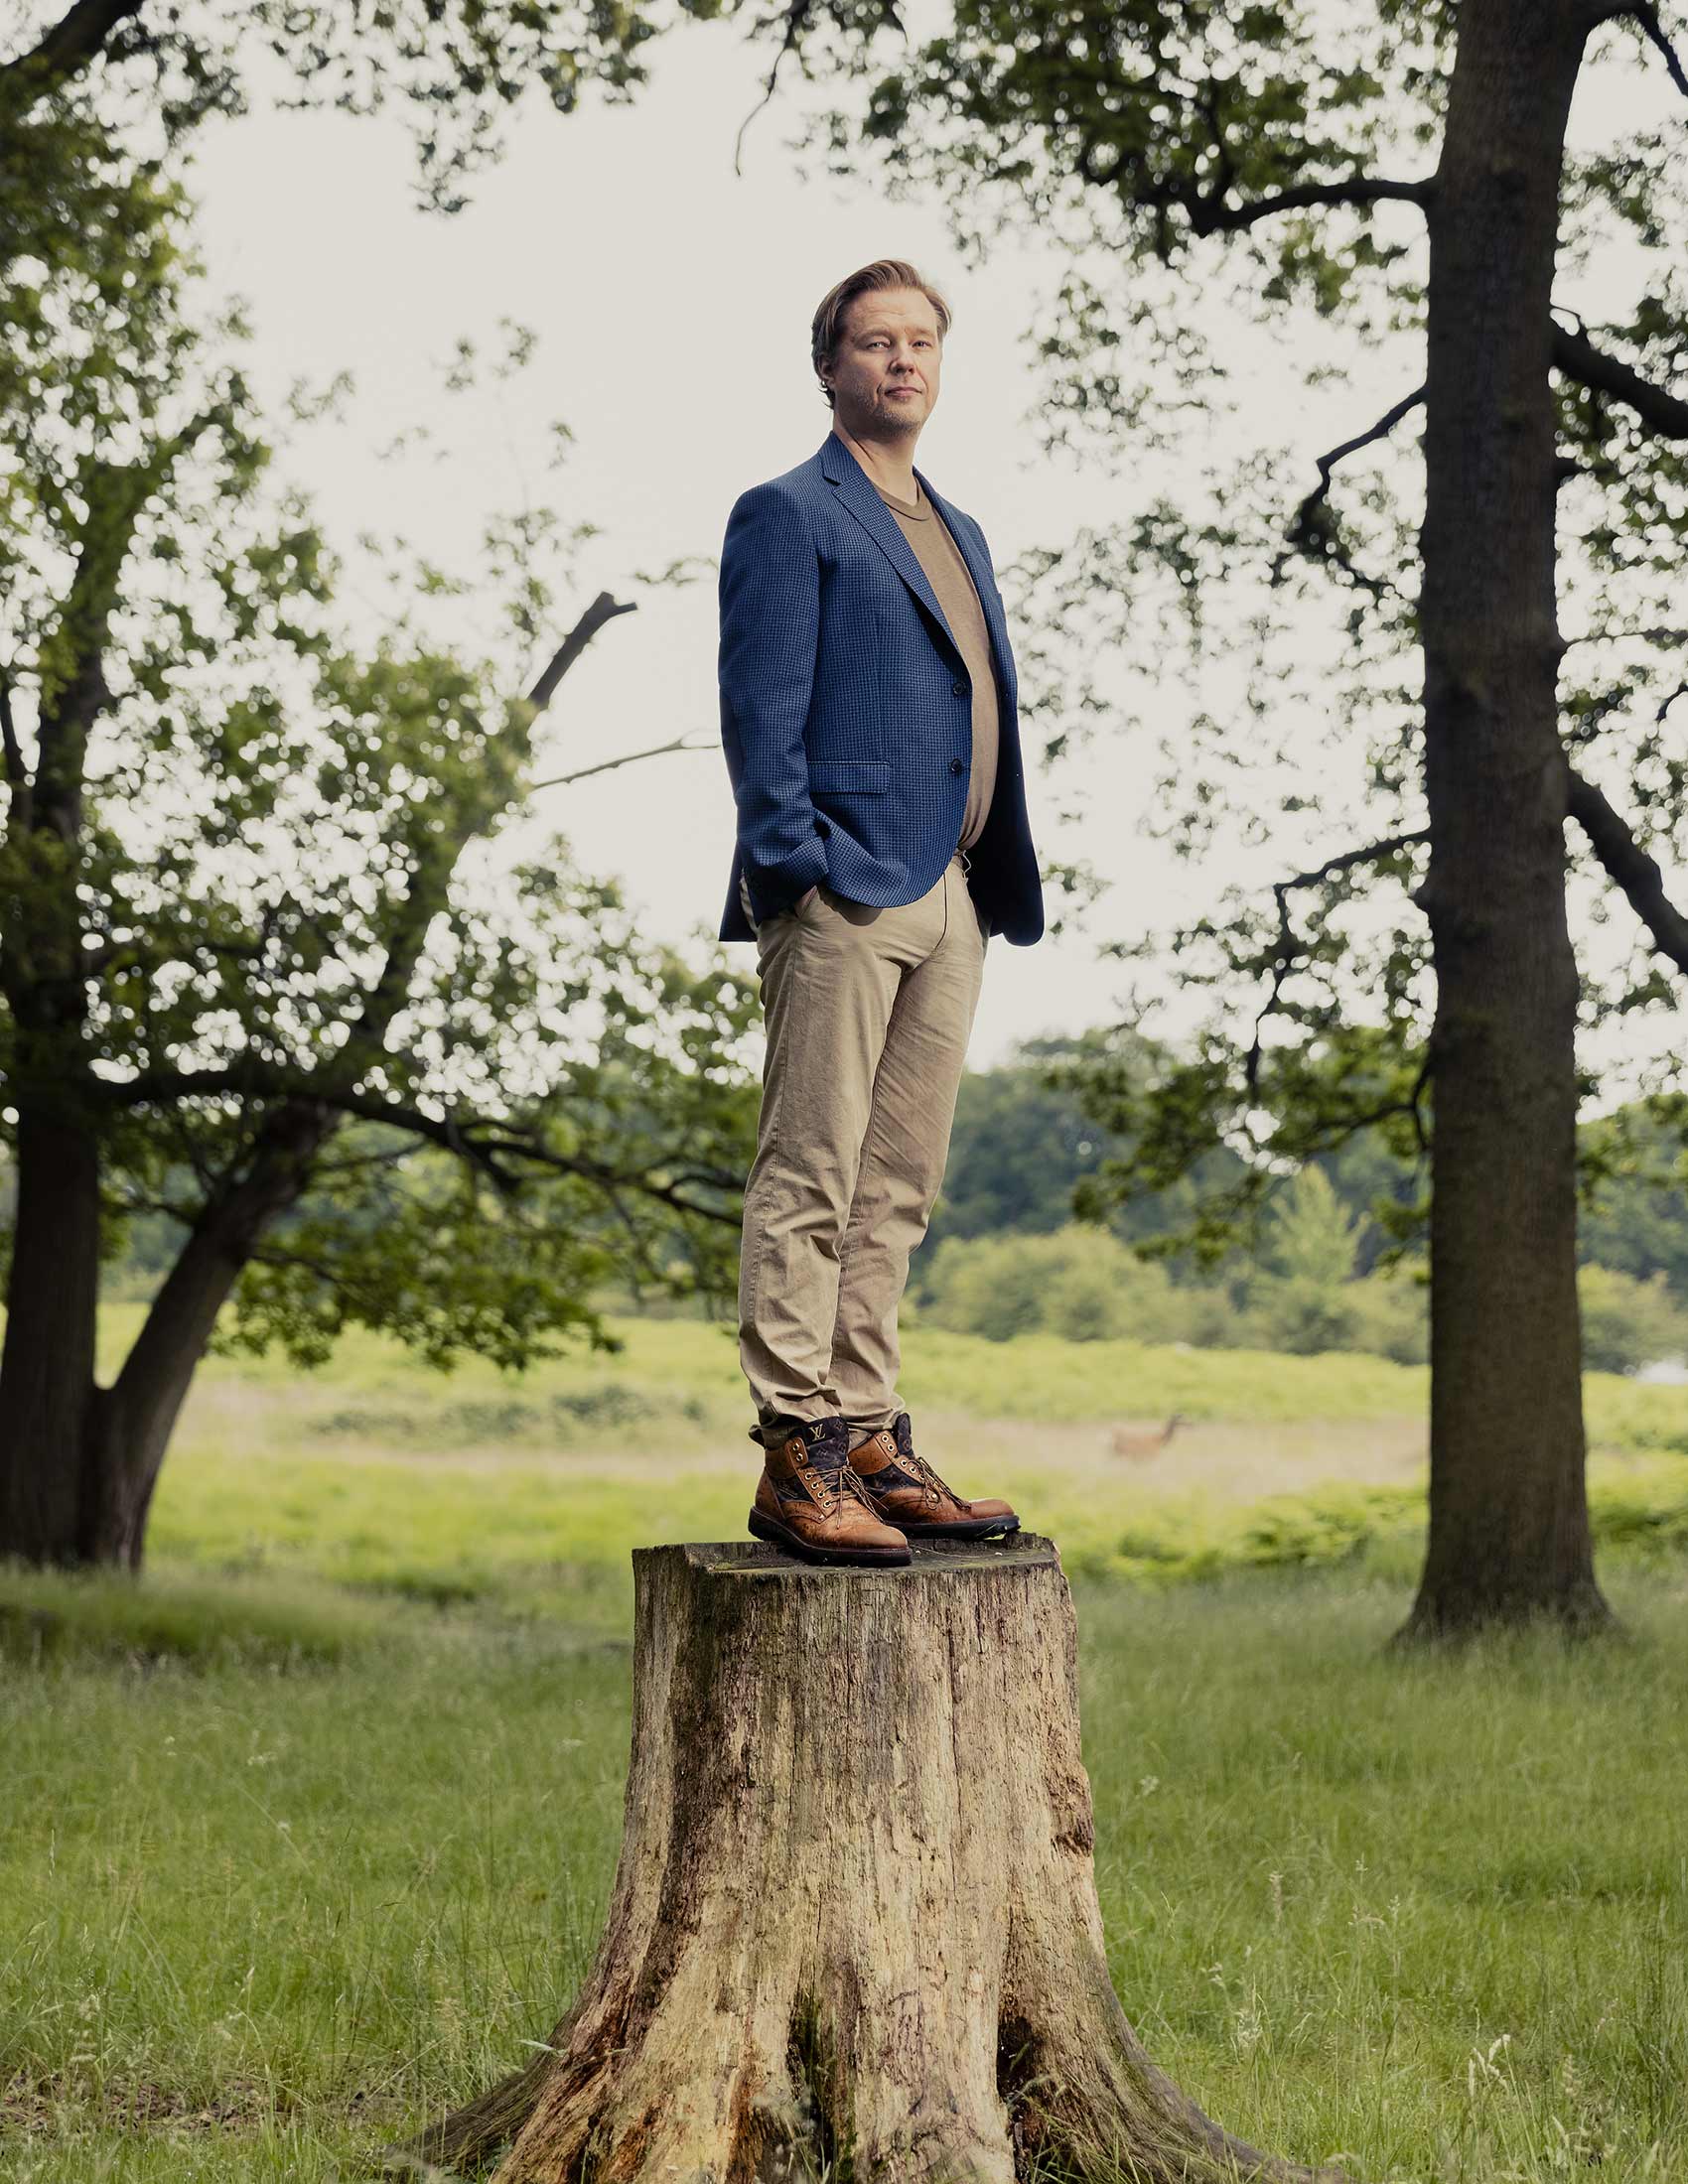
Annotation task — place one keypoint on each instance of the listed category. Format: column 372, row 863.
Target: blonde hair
column 828, row 323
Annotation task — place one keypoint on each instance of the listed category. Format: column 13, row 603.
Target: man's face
column 884, row 372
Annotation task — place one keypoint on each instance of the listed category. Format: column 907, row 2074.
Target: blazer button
column 960, row 689
column 955, row 765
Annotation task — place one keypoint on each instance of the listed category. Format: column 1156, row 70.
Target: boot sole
column 779, row 1534
column 976, row 1528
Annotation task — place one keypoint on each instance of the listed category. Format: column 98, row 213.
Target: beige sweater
column 948, row 575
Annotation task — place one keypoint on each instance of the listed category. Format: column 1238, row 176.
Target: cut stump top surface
column 931, row 1558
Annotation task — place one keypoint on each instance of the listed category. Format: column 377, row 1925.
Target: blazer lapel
column 860, row 497
column 984, row 582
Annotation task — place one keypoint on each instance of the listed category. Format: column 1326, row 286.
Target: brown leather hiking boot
column 905, row 1491
column 810, row 1502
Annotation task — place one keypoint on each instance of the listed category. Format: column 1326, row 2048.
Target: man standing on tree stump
column 868, row 713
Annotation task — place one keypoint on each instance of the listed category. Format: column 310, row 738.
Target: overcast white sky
column 673, row 300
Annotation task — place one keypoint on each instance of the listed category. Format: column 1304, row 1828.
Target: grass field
column 510, row 1493
column 310, row 1834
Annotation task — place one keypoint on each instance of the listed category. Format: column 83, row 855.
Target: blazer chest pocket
column 850, row 776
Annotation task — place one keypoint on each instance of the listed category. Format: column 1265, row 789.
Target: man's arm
column 769, row 636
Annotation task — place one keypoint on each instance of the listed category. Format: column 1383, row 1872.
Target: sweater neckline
column 918, row 511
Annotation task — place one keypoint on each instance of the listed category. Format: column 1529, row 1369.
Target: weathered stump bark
column 854, row 1929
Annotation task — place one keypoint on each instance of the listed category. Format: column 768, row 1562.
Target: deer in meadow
column 1138, row 1447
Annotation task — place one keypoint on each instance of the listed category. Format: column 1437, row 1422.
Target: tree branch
column 17, row 773
column 425, row 891
column 603, row 609
column 78, row 37
column 96, row 960
column 606, row 766
column 1646, row 15
column 1654, row 634
column 1289, row 947
column 1636, row 873
column 116, row 493
column 1312, row 528
column 1209, row 217
column 487, row 1145
column 1384, row 426
column 1577, row 357
column 796, row 16
column 1648, row 18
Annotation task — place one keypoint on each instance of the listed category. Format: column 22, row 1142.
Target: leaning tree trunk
column 854, row 1928
column 1509, row 1516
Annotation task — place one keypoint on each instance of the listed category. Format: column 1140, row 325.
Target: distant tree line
column 1301, row 1294
column 1325, row 1267
column 1332, row 1263
column 1023, row 1146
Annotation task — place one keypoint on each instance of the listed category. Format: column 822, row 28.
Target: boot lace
column 835, row 1487
column 933, row 1488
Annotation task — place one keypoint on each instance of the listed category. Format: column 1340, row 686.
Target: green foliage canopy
column 1231, row 200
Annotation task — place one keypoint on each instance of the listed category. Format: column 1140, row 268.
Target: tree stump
column 854, row 1930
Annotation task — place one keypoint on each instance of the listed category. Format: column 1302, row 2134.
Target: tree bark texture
column 854, row 1931
column 1509, row 1532
column 78, row 1462
column 48, row 1359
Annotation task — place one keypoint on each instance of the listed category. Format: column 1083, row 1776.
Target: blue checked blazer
column 846, row 708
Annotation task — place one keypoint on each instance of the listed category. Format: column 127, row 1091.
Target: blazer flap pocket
column 850, row 776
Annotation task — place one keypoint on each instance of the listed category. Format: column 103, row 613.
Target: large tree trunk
column 1508, row 1519
column 79, row 1462
column 46, row 1382
column 854, row 1928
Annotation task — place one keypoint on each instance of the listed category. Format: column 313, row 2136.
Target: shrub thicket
column 1083, row 1284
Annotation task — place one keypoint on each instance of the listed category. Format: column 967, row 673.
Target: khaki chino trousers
column 868, row 1014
